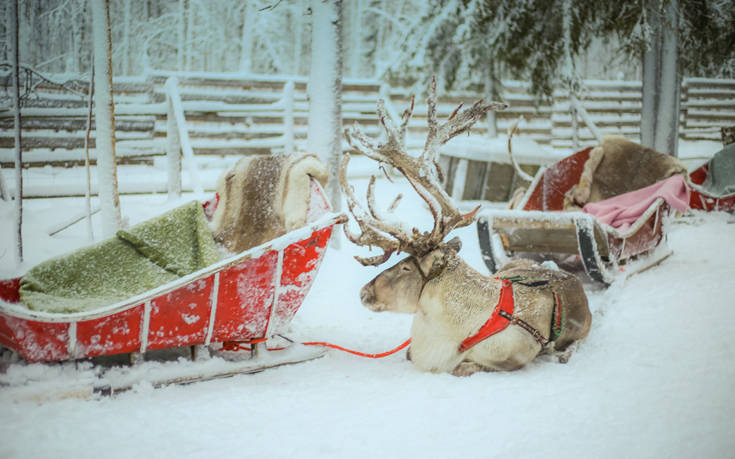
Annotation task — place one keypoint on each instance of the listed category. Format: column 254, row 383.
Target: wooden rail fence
column 229, row 114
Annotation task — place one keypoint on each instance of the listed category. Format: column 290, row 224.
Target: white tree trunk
column 650, row 77
column 667, row 121
column 173, row 143
column 492, row 123
column 355, row 40
column 26, row 34
column 661, row 85
column 7, row 10
column 380, row 35
column 325, row 90
column 12, row 31
column 246, row 41
column 126, row 38
column 87, row 166
column 298, row 37
column 105, row 120
column 288, row 118
column 181, row 29
column 189, row 38
column 569, row 73
column 72, row 62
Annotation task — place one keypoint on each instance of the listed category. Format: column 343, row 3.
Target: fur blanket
column 623, row 210
column 146, row 256
column 263, row 197
column 618, row 166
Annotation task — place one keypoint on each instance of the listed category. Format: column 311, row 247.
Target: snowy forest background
column 472, row 46
column 465, row 42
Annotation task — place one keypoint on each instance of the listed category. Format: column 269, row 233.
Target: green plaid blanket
column 146, row 256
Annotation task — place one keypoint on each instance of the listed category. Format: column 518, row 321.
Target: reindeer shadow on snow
column 464, row 321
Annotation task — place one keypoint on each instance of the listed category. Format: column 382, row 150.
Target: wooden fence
column 227, row 114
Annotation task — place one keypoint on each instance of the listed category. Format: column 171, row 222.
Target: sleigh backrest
column 547, row 191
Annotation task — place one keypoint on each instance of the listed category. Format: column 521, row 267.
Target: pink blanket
column 623, row 210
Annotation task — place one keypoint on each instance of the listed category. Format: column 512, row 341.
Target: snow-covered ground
column 654, row 378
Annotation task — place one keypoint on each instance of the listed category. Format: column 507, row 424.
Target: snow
column 653, row 379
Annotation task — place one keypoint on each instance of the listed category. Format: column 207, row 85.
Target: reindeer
column 464, row 321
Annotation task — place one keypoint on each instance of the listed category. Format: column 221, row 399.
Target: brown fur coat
column 263, row 197
column 618, row 166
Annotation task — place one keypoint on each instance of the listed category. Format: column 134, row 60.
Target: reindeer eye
column 405, row 268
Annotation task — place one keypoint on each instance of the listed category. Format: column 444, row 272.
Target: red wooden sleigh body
column 248, row 297
column 701, row 200
column 540, row 226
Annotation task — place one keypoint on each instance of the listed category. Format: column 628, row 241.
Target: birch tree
column 661, row 79
column 355, row 37
column 246, row 41
column 666, row 139
column 105, row 120
column 126, row 54
column 12, row 30
column 298, row 33
column 325, row 90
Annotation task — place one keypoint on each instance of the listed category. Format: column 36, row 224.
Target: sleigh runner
column 249, row 297
column 539, row 225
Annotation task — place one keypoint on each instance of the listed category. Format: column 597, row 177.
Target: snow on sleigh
column 713, row 183
column 625, row 189
column 246, row 300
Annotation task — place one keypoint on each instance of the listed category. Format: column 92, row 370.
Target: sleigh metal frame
column 541, row 227
column 249, row 297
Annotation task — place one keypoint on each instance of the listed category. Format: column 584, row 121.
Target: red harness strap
column 499, row 319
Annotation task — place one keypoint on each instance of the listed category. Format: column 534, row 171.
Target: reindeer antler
column 422, row 173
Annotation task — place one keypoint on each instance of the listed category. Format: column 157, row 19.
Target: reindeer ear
column 432, row 262
column 455, row 244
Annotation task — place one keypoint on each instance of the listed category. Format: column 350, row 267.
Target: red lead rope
column 361, row 354
column 246, row 346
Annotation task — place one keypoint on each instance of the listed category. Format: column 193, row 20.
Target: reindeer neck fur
column 447, row 313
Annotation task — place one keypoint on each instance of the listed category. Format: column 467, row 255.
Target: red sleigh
column 539, row 226
column 249, row 297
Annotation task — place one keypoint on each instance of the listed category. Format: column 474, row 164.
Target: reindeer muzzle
column 367, row 295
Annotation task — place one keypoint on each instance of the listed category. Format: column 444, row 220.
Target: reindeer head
column 399, row 287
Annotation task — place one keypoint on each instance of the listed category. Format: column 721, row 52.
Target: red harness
column 503, row 316
column 499, row 319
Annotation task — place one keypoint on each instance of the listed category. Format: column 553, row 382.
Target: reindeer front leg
column 467, row 368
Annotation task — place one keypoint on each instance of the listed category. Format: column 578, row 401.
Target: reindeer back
column 553, row 301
